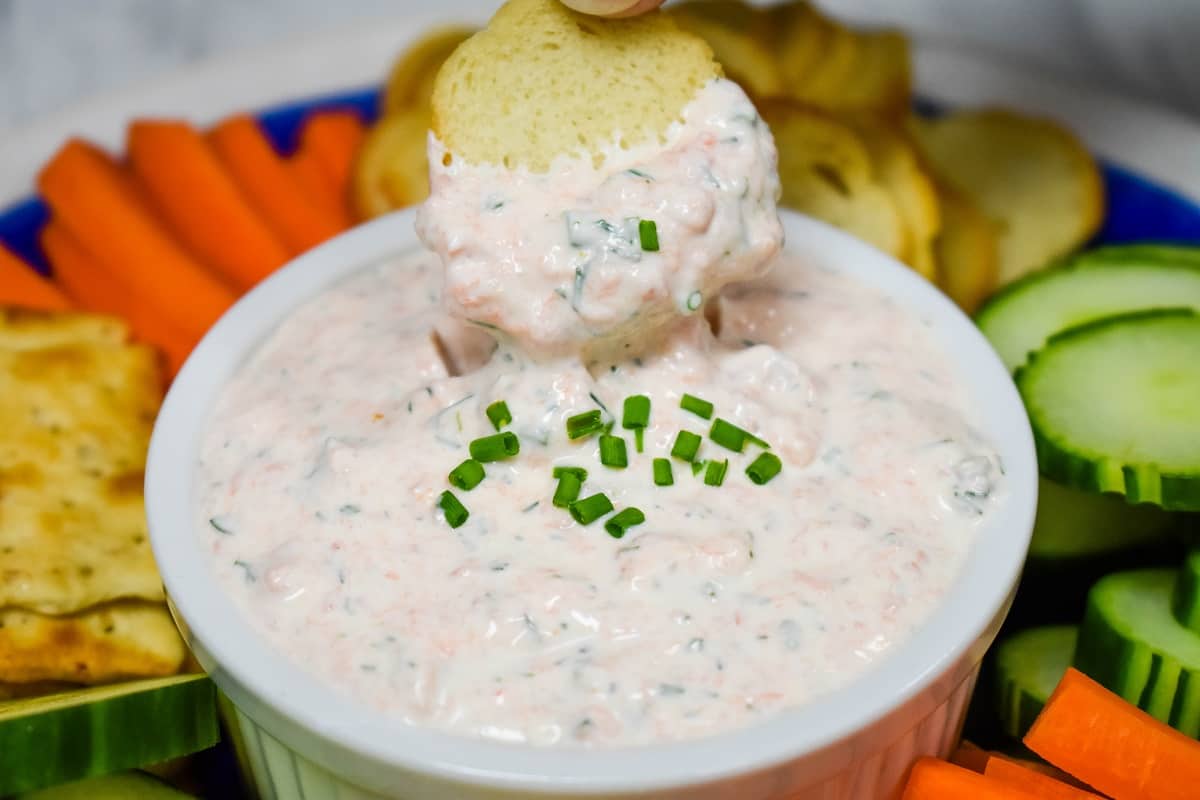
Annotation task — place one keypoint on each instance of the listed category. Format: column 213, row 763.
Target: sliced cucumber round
column 1115, row 407
column 1029, row 665
column 65, row 737
column 1111, row 280
column 1185, row 601
column 1149, row 252
column 1130, row 642
column 1073, row 524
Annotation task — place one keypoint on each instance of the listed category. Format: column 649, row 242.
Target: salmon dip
column 604, row 466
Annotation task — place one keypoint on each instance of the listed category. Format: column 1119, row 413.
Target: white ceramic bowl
column 299, row 738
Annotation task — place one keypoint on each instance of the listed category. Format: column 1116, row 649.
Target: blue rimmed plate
column 1150, row 158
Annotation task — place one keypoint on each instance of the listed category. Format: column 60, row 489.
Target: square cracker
column 28, row 329
column 111, row 642
column 77, row 405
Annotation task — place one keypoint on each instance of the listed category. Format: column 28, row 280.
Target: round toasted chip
column 965, row 251
column 410, row 82
column 728, row 26
column 898, row 169
column 826, row 172
column 881, row 80
column 822, row 84
column 796, row 34
column 833, row 67
column 391, row 170
column 1032, row 176
column 542, row 81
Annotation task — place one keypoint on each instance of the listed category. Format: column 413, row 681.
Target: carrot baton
column 271, row 186
column 934, row 779
column 318, row 186
column 201, row 202
column 76, row 271
column 1036, row 783
column 21, row 286
column 1113, row 746
column 102, row 208
column 334, row 137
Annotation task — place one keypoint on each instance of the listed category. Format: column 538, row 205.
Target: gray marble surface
column 55, row 52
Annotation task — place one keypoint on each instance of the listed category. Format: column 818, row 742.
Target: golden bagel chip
column 1031, row 176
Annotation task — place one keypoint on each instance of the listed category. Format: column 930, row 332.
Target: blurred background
column 53, row 52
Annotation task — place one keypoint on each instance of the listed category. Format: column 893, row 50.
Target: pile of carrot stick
column 169, row 235
column 1099, row 746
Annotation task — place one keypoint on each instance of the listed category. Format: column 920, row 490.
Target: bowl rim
column 245, row 664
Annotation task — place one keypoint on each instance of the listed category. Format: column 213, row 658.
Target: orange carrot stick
column 1113, row 746
column 335, row 137
column 318, row 186
column 934, row 779
column 201, row 202
column 21, row 286
column 76, row 271
column 266, row 179
column 102, row 208
column 1010, row 773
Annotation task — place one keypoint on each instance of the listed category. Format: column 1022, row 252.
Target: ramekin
column 299, row 738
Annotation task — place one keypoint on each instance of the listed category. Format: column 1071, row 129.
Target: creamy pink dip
column 555, row 261
column 326, row 454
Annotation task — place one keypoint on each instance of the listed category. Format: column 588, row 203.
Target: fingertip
column 613, row 8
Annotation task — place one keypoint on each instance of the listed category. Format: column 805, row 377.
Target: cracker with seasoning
column 111, row 642
column 80, row 598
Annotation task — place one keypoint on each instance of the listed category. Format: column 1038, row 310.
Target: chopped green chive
column 728, row 435
column 695, row 300
column 590, row 509
column 455, row 512
column 698, row 467
column 567, row 491
column 714, row 473
column 687, row 444
column 612, row 452
column 636, row 413
column 638, row 438
column 584, row 424
column 495, row 448
column 578, row 472
column 763, row 468
column 623, row 520
column 663, row 474
column 648, row 233
column 467, row 475
column 701, row 408
column 499, row 414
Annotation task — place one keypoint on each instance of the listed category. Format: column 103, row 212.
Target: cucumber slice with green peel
column 1115, row 407
column 1029, row 665
column 1101, row 283
column 65, row 737
column 1130, row 642
column 1152, row 252
column 1185, row 601
column 121, row 786
column 1075, row 524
